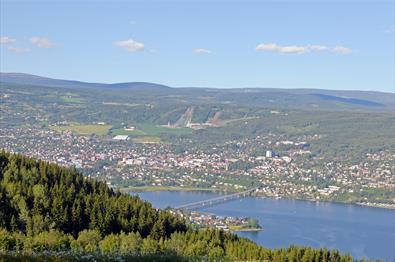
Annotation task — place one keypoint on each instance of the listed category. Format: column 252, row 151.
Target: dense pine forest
column 52, row 213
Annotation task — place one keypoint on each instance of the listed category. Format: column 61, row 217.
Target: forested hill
column 158, row 94
column 56, row 214
column 37, row 196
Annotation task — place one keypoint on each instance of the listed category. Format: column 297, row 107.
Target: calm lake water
column 361, row 231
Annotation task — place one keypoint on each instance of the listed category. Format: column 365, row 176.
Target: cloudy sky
column 279, row 44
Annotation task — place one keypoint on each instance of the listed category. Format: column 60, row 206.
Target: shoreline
column 241, row 229
column 168, row 188
column 360, row 204
column 215, row 190
column 375, row 205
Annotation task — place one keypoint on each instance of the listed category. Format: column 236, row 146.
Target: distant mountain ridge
column 348, row 100
column 27, row 79
column 286, row 98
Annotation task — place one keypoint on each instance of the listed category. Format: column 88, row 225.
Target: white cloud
column 341, row 50
column 267, row 47
column 202, row 51
column 282, row 49
column 6, row 40
column 293, row 49
column 18, row 50
column 42, row 42
column 130, row 45
column 318, row 47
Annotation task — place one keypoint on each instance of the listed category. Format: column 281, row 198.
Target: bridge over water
column 216, row 200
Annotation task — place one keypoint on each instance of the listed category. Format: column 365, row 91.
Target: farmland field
column 82, row 129
column 121, row 131
column 154, row 130
column 151, row 130
column 147, row 139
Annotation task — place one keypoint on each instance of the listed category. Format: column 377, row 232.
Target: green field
column 82, row 129
column 145, row 133
column 152, row 130
column 147, row 139
column 121, row 131
column 72, row 98
column 155, row 130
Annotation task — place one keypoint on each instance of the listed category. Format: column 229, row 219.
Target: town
column 282, row 168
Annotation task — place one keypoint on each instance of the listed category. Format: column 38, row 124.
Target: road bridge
column 217, row 200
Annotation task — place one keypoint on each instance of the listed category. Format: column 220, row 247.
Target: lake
column 361, row 231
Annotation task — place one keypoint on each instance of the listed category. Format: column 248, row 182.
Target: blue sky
column 279, row 44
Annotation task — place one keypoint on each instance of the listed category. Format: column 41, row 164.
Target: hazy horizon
column 209, row 87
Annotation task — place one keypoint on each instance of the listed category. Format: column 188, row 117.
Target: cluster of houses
column 234, row 165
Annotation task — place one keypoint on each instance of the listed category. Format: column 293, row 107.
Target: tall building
column 269, row 153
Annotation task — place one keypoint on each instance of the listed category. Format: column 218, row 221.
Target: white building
column 121, row 137
column 269, row 153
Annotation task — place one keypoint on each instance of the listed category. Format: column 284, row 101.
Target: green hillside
column 349, row 127
column 53, row 213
